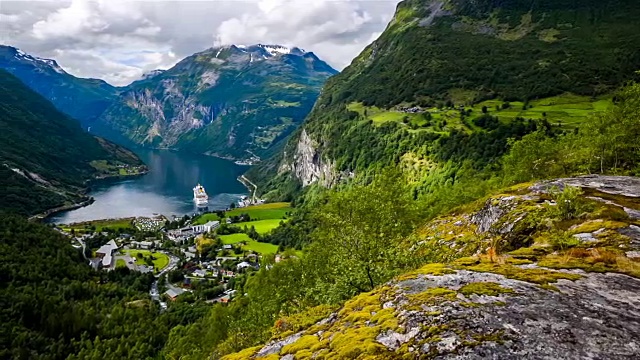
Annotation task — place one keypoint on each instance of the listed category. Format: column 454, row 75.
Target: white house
column 208, row 227
column 105, row 252
column 200, row 273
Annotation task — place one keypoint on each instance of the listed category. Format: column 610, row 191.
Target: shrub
column 569, row 203
column 561, row 240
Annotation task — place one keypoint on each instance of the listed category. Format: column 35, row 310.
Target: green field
column 262, row 226
column 568, row 110
column 252, row 245
column 159, row 263
column 234, row 238
column 260, row 212
column 100, row 225
column 120, row 263
column 264, row 211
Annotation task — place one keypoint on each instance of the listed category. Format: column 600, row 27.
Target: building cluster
column 149, row 224
column 182, row 235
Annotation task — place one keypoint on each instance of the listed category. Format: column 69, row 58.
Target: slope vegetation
column 45, row 156
column 453, row 80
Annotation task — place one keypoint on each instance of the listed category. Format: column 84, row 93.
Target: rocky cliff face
column 232, row 101
column 308, row 165
column 537, row 273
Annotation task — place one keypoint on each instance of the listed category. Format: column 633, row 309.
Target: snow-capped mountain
column 230, row 101
column 21, row 55
column 83, row 99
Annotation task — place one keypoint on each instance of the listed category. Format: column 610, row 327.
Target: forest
column 54, row 306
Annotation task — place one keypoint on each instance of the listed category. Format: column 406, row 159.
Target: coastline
column 47, row 213
column 89, row 200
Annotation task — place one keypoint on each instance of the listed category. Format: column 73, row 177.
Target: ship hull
column 201, row 202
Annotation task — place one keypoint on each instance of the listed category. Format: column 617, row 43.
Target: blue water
column 167, row 189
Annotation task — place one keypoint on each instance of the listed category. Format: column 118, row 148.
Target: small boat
column 200, row 196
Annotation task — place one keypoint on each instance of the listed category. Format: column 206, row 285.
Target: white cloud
column 118, row 40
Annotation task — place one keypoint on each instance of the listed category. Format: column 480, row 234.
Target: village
column 205, row 257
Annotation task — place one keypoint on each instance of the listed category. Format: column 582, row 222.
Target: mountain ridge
column 80, row 98
column 46, row 158
column 228, row 101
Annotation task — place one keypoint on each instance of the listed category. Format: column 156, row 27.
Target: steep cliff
column 546, row 270
column 231, row 101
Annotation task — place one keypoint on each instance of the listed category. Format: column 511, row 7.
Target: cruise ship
column 200, row 196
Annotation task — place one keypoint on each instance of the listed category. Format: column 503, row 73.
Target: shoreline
column 89, row 200
column 49, row 212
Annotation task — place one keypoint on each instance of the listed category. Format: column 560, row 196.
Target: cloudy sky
column 118, row 40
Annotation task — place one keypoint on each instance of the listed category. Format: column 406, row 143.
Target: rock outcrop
column 308, row 165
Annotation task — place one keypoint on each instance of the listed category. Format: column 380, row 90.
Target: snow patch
column 274, row 50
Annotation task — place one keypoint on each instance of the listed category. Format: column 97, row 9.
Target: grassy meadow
column 567, row 110
column 251, row 245
column 160, row 262
column 100, row 225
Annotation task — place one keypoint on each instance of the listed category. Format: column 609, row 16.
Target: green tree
column 360, row 231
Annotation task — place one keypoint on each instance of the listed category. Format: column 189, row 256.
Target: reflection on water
column 167, row 189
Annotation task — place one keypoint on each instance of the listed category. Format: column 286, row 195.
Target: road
column 245, row 181
column 83, row 248
column 154, row 292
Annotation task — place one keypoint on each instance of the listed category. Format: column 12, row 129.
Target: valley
column 466, row 187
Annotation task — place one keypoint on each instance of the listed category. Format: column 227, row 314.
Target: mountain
column 232, row 101
column 82, row 99
column 45, row 156
column 452, row 80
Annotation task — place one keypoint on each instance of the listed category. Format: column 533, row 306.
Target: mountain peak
column 21, row 55
column 152, row 73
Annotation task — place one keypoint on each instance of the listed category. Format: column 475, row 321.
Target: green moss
column 360, row 302
column 288, row 325
column 430, row 296
column 242, row 355
column 467, row 261
column 436, row 269
column 529, row 252
column 304, row 354
column 595, row 225
column 354, row 342
column 516, row 261
column 598, row 260
column 536, row 275
column 306, row 342
column 484, row 288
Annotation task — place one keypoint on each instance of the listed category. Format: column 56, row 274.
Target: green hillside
column 46, row 157
column 453, row 81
